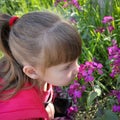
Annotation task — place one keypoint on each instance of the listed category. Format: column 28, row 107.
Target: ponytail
column 4, row 34
column 10, row 70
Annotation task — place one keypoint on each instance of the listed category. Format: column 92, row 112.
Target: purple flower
column 72, row 110
column 73, row 20
column 99, row 65
column 76, row 4
column 83, row 88
column 116, row 108
column 77, row 94
column 100, row 30
column 116, row 93
column 118, row 98
column 58, row 89
column 107, row 19
column 86, row 70
column 100, row 71
column 75, row 91
column 114, row 42
column 114, row 56
column 89, row 78
column 110, row 28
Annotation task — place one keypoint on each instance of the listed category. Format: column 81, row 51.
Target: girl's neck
column 42, row 85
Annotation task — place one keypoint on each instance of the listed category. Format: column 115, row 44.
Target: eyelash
column 67, row 67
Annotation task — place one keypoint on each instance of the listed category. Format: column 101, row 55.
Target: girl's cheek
column 69, row 75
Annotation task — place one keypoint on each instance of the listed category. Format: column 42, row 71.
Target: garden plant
column 95, row 92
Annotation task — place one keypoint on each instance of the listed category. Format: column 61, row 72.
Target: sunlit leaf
column 92, row 95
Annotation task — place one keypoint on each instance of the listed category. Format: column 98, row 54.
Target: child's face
column 62, row 74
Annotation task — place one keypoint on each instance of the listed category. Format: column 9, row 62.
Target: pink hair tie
column 13, row 20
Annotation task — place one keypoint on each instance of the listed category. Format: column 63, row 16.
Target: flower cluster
column 74, row 92
column 116, row 93
column 87, row 70
column 75, row 3
column 114, row 56
column 106, row 20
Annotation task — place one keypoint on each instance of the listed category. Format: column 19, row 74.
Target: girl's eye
column 67, row 67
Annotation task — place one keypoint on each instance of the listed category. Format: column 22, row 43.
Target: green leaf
column 91, row 97
column 102, row 86
column 109, row 115
column 98, row 118
column 97, row 89
column 118, row 79
column 1, row 54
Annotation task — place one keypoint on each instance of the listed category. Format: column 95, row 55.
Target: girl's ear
column 30, row 72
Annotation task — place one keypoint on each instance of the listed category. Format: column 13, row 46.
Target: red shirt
column 26, row 104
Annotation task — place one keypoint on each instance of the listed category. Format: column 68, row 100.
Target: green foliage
column 20, row 7
column 107, row 115
column 91, row 97
column 94, row 44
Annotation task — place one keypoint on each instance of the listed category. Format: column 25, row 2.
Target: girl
column 40, row 50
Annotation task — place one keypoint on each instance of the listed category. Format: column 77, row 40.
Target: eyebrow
column 69, row 63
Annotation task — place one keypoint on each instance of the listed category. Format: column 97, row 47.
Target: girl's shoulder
column 27, row 103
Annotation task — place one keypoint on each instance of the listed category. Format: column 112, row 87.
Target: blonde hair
column 36, row 38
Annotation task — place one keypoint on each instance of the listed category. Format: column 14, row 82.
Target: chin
column 66, row 84
column 61, row 85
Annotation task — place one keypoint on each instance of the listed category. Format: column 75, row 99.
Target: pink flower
column 65, row 5
column 76, row 4
column 72, row 110
column 107, row 19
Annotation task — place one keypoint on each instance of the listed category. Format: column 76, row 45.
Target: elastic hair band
column 13, row 20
